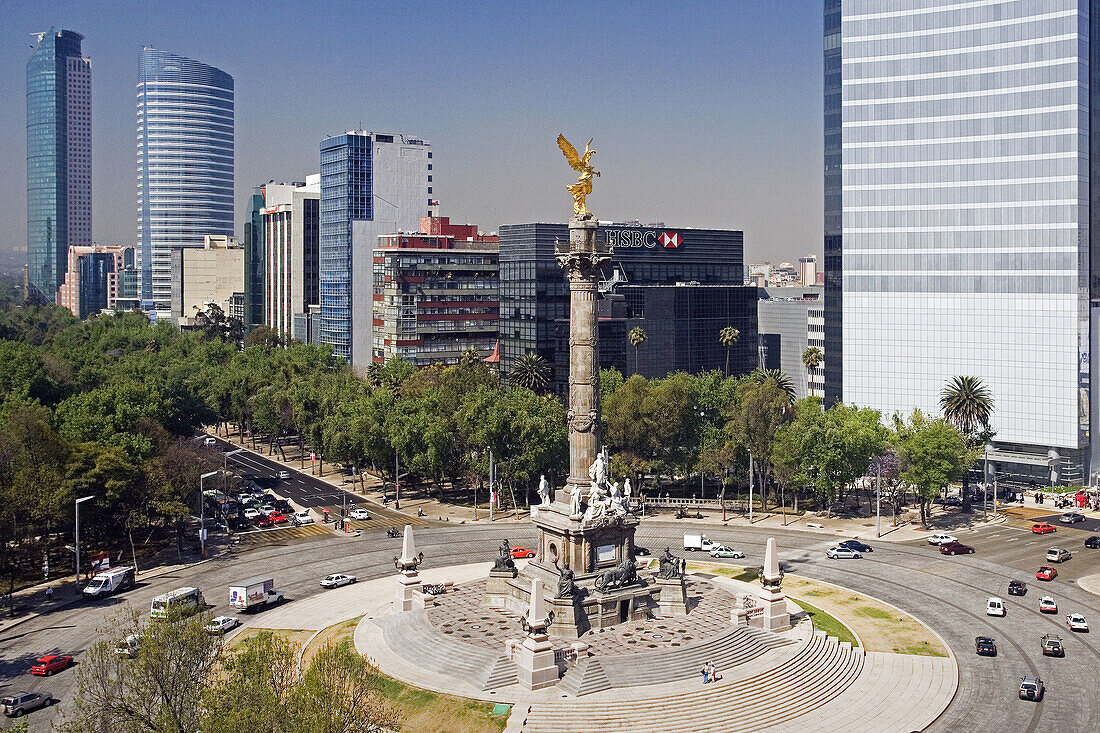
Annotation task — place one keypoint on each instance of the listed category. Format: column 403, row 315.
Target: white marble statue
column 544, row 490
column 597, row 503
column 575, row 500
column 615, row 503
column 598, row 471
column 626, row 494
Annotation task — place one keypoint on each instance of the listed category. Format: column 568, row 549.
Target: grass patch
column 921, row 648
column 747, row 575
column 829, row 624
column 875, row 613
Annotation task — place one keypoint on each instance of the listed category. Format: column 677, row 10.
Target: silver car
column 22, row 703
column 842, row 553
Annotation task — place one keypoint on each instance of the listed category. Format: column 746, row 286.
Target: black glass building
column 678, row 285
column 834, row 351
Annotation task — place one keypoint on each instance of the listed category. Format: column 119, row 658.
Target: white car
column 358, row 513
column 995, row 607
column 285, row 475
column 725, row 551
column 939, row 538
column 303, row 517
column 221, row 624
column 1077, row 622
column 210, row 441
column 251, row 513
column 841, row 553
column 266, row 509
column 336, row 580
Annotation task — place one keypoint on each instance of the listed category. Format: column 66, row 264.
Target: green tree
column 932, row 452
column 728, row 336
column 532, row 372
column 265, row 337
column 968, row 405
column 777, row 377
column 637, row 336
column 760, row 407
column 812, row 359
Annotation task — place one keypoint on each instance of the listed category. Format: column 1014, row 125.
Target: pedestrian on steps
column 706, row 674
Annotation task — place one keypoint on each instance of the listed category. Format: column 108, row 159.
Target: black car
column 985, row 646
column 22, row 703
column 1017, row 588
column 856, row 545
column 283, row 505
column 1093, row 542
column 639, row 550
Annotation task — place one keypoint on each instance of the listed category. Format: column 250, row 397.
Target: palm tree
column 968, row 405
column 728, row 337
column 782, row 381
column 636, row 337
column 530, row 371
column 812, row 358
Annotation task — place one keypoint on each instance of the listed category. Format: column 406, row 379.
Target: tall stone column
column 582, row 263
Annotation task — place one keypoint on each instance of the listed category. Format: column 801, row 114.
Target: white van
column 187, row 600
column 994, row 607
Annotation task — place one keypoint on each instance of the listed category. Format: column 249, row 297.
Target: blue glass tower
column 185, row 165
column 59, row 158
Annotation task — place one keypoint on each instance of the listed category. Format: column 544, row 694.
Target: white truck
column 252, row 594
column 109, row 582
column 698, row 542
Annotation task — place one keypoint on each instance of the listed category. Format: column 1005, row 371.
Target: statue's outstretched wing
column 570, row 152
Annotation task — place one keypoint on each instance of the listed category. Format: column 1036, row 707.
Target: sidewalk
column 31, row 602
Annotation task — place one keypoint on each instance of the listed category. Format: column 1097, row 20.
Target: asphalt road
column 948, row 593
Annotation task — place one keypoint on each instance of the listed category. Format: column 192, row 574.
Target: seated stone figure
column 671, row 566
column 566, row 586
column 504, row 560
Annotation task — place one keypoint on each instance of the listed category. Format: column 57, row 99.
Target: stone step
column 502, row 674
column 584, row 678
column 412, row 636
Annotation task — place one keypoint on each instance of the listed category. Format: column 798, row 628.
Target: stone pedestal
column 408, row 591
column 672, row 600
column 776, row 617
column 534, row 660
column 496, row 590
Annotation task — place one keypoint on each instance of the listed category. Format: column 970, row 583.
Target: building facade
column 791, row 320
column 966, row 238
column 290, row 229
column 436, row 294
column 833, row 196
column 98, row 278
column 371, row 184
column 212, row 275
column 185, row 165
column 253, row 240
column 59, row 158
column 534, row 303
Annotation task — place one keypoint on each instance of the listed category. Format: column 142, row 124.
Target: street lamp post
column 202, row 513
column 751, row 472
column 76, row 537
column 878, row 500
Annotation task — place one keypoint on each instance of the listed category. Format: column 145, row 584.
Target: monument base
column 588, row 609
column 776, row 617
column 672, row 600
column 534, row 660
column 497, row 591
column 408, row 591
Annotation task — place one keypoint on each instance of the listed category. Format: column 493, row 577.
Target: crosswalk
column 282, row 534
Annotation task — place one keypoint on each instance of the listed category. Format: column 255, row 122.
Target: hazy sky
column 703, row 114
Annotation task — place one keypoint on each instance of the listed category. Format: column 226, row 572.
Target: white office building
column 290, row 248
column 966, row 158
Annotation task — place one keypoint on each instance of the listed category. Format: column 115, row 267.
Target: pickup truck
column 252, row 594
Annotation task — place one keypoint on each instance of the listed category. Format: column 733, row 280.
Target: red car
column 1043, row 528
column 520, row 552
column 956, row 548
column 263, row 521
column 1046, row 572
column 51, row 663
column 277, row 518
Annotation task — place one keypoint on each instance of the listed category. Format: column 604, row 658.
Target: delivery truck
column 109, row 582
column 697, row 542
column 253, row 594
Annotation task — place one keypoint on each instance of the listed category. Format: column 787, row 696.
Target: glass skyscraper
column 59, row 158
column 185, row 165
column 966, row 239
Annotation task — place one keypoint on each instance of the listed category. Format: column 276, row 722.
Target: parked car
column 1057, row 554
column 856, row 545
column 952, row 501
column 129, row 647
column 22, row 703
column 221, row 624
column 640, row 551
column 1047, row 605
column 842, row 553
column 1077, row 622
column 956, row 548
column 725, row 551
column 336, row 580
column 277, row 517
column 1046, row 572
column 939, row 538
column 985, row 646
column 1017, row 588
column 1071, row 518
column 284, row 506
column 1093, row 542
column 358, row 513
column 995, row 607
column 267, row 508
column 1051, row 645
column 1032, row 688
column 51, row 663
column 1043, row 528
column 303, row 517
column 284, row 475
column 264, row 521
column 210, row 441
column 252, row 513
column 520, row 552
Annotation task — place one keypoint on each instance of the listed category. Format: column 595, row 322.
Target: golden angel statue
column 580, row 163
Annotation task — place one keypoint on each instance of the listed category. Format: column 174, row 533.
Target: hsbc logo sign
column 648, row 238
